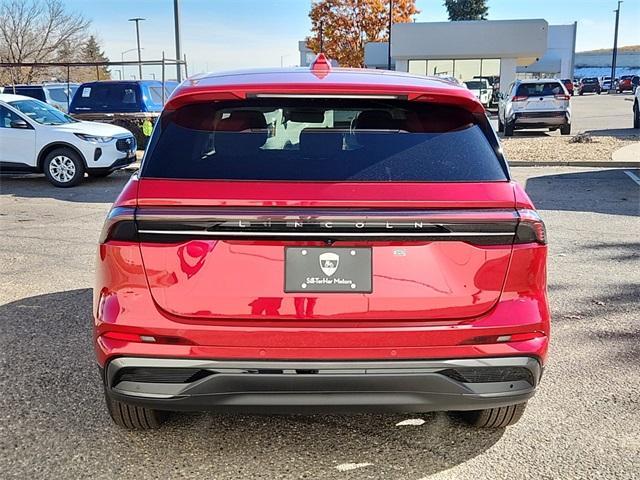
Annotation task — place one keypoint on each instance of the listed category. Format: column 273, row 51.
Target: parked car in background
column 58, row 95
column 568, row 84
column 132, row 104
column 636, row 108
column 589, row 85
column 535, row 104
column 628, row 83
column 605, row 84
column 38, row 138
column 481, row 89
column 494, row 85
column 385, row 261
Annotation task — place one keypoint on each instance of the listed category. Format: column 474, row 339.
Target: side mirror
column 19, row 124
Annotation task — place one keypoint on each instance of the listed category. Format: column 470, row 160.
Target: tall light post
column 615, row 49
column 176, row 21
column 122, row 59
column 390, row 23
column 138, row 20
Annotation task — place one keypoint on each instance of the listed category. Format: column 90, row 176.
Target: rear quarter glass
column 330, row 140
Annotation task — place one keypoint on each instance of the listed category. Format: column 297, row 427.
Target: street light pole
column 390, row 23
column 176, row 21
column 615, row 49
column 138, row 20
column 122, row 59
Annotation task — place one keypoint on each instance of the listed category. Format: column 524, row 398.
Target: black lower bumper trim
column 306, row 387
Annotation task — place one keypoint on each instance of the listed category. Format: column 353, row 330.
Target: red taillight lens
column 530, row 228
column 519, row 98
column 562, row 97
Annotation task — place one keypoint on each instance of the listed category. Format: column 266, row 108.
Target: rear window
column 541, row 89
column 106, row 97
column 589, row 80
column 321, row 140
column 33, row 92
column 476, row 85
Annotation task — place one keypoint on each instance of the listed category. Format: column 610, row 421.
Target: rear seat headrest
column 241, row 120
column 375, row 120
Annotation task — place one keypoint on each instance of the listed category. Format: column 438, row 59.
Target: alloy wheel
column 62, row 168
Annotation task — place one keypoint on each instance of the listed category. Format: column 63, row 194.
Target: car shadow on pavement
column 55, row 411
column 91, row 190
column 601, row 191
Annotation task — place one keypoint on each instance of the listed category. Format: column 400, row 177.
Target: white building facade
column 501, row 49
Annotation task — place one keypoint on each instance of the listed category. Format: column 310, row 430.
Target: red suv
column 318, row 240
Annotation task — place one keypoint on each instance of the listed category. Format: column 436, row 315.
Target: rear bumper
column 541, row 119
column 342, row 386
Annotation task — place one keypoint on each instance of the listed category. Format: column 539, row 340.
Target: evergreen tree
column 91, row 52
column 467, row 9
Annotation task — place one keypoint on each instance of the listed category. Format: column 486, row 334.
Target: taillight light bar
column 120, row 225
column 519, row 98
column 530, row 228
column 562, row 97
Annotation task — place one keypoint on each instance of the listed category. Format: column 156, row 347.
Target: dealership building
column 507, row 49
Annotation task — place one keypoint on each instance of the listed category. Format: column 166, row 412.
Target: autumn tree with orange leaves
column 348, row 24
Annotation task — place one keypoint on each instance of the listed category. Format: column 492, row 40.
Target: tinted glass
column 6, row 117
column 33, row 92
column 58, row 94
column 106, row 97
column 41, row 112
column 321, row 140
column 539, row 89
column 476, row 85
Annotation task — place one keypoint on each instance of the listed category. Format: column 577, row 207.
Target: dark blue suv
column 132, row 104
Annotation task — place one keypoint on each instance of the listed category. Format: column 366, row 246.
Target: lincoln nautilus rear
column 321, row 240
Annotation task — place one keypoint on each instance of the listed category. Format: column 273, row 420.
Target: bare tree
column 36, row 31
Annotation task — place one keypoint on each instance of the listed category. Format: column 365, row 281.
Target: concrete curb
column 576, row 163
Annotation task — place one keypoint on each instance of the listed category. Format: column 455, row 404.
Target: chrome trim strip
column 336, row 233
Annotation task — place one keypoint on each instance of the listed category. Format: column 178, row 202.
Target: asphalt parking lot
column 582, row 424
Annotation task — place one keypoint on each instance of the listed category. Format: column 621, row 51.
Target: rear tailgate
column 202, row 265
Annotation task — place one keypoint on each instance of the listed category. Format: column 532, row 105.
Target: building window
column 418, row 67
column 462, row 69
column 465, row 70
column 440, row 68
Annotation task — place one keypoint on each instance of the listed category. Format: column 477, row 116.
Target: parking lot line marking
column 633, row 176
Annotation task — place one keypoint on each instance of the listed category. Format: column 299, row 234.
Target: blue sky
column 226, row 34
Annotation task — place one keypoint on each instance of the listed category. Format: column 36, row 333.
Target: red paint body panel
column 239, row 85
column 156, row 192
column 224, row 299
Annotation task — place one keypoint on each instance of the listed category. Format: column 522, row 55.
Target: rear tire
column 500, row 125
column 508, row 129
column 565, row 129
column 499, row 417
column 133, row 417
column 636, row 115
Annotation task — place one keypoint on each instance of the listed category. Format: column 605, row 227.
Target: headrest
column 230, row 141
column 375, row 120
column 241, row 120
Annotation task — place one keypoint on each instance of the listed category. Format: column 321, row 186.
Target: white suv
column 535, row 104
column 35, row 137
